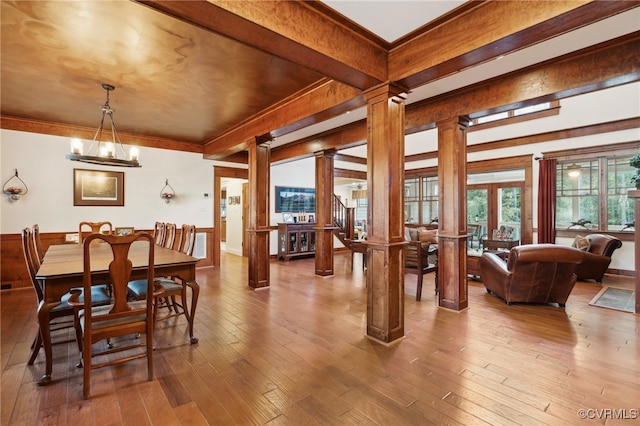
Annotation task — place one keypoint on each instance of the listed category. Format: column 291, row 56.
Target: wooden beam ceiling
column 491, row 29
column 606, row 65
column 331, row 98
column 290, row 30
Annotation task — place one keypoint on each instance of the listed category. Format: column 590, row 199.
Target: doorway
column 220, row 173
column 495, row 206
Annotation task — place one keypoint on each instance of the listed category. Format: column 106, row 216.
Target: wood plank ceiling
column 209, row 76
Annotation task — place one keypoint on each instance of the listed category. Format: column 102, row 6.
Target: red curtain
column 547, row 202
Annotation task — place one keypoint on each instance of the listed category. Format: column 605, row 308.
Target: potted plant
column 635, row 162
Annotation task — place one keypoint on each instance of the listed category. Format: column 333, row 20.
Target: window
column 360, row 197
column 596, row 199
column 620, row 209
column 361, row 210
column 429, row 199
column 411, row 200
column 519, row 114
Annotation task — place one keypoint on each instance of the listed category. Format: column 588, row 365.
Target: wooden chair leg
column 195, row 292
column 419, row 287
column 86, row 368
column 35, row 348
column 45, row 332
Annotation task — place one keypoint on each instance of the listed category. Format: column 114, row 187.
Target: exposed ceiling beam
column 350, row 158
column 87, row 133
column 606, row 65
column 594, row 129
column 491, row 29
column 319, row 103
column 349, row 174
column 341, row 137
column 290, row 30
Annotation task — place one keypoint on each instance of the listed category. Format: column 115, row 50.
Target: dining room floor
column 296, row 354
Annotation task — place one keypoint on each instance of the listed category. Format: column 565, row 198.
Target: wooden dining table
column 62, row 270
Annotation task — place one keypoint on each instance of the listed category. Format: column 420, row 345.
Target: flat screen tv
column 290, row 199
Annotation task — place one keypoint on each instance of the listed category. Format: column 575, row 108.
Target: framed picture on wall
column 98, row 188
column 124, row 231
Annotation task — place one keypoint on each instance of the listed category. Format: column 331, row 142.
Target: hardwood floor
column 296, row 354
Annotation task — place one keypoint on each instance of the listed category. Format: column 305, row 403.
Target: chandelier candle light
column 104, row 153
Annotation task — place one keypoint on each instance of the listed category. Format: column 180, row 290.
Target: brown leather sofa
column 533, row 273
column 596, row 260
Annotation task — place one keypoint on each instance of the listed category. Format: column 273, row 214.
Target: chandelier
column 102, row 152
column 574, row 170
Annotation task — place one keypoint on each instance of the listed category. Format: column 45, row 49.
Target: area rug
column 615, row 298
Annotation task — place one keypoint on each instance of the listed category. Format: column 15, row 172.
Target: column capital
column 388, row 89
column 265, row 139
column 325, row 153
column 461, row 122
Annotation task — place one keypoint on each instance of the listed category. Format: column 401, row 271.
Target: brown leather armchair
column 533, row 273
column 596, row 260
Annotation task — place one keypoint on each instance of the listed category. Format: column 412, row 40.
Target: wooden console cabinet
column 296, row 239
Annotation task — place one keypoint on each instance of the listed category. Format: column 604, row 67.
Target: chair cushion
column 169, row 285
column 99, row 296
column 137, row 288
column 428, row 236
column 104, row 310
column 581, row 243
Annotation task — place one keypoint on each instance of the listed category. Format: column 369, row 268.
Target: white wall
column 234, row 217
column 40, row 160
column 298, row 174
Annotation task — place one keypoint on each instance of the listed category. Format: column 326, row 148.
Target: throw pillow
column 428, row 236
column 581, row 243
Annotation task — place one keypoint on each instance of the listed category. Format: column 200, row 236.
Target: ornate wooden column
column 635, row 195
column 385, row 236
column 324, row 212
column 259, row 166
column 452, row 215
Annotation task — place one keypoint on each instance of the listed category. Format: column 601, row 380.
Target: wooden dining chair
column 94, row 228
column 121, row 317
column 37, row 242
column 186, row 245
column 59, row 317
column 174, row 287
column 169, row 235
column 159, row 233
column 187, row 239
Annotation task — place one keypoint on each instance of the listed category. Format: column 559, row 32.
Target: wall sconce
column 574, row 170
column 14, row 187
column 167, row 193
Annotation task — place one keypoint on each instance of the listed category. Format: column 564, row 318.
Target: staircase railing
column 344, row 219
